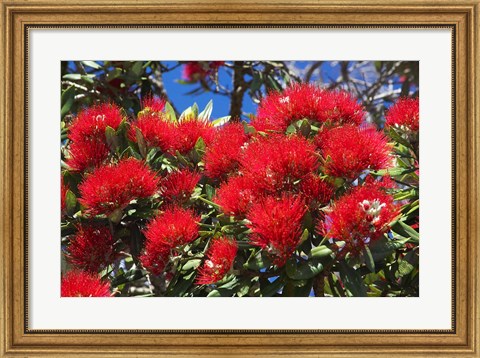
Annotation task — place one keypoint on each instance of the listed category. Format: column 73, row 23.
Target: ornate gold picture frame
column 20, row 16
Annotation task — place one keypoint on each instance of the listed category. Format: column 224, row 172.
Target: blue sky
column 178, row 93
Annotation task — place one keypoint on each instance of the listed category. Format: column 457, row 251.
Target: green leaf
column 151, row 154
column 369, row 261
column 248, row 129
column 243, row 288
column 68, row 98
column 257, row 262
column 398, row 137
column 190, row 113
column 394, row 172
column 274, row 84
column 129, row 276
column 207, row 112
column 303, row 237
column 305, row 127
column 142, row 146
column 228, row 282
column 70, row 202
column 320, row 251
column 406, row 194
column 137, row 68
column 407, row 230
column 384, row 247
column 405, row 267
column 191, row 264
column 352, row 280
column 181, row 286
column 221, row 121
column 297, row 288
column 114, row 73
column 292, row 128
column 200, row 145
column 412, row 207
column 88, row 78
column 304, row 270
column 256, row 82
column 92, row 64
column 271, row 288
column 209, row 191
column 72, row 76
column 221, row 292
column 111, row 136
column 170, row 113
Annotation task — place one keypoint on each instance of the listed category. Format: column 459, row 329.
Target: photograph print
column 239, row 178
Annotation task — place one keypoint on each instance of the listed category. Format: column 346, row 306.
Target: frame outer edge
column 475, row 91
column 6, row 183
column 6, row 269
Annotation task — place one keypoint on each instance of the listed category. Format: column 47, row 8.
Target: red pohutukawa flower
column 87, row 155
column 178, row 186
column 223, row 155
column 306, row 101
column 173, row 228
column 236, row 196
column 220, row 257
column 360, row 216
column 404, row 113
column 83, row 284
column 277, row 226
column 349, row 150
column 87, row 134
column 91, row 248
column 315, row 191
column 112, row 187
column 156, row 130
column 91, row 123
column 276, row 163
column 156, row 257
column 187, row 133
column 153, row 104
column 196, row 70
column 171, row 137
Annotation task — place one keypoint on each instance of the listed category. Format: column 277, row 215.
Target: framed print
column 239, row 178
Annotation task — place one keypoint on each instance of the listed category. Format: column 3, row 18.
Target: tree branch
column 239, row 88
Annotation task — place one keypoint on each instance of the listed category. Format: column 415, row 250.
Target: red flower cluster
column 275, row 163
column 223, row 155
column 152, row 105
column 276, row 226
column 91, row 249
column 173, row 228
column 89, row 148
column 404, row 113
column 349, row 150
column 83, row 284
column 187, row 133
column 220, row 257
column 178, row 186
column 112, row 187
column 361, row 215
column 315, row 191
column 236, row 195
column 270, row 166
column 152, row 124
column 196, row 70
column 305, row 101
column 170, row 137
